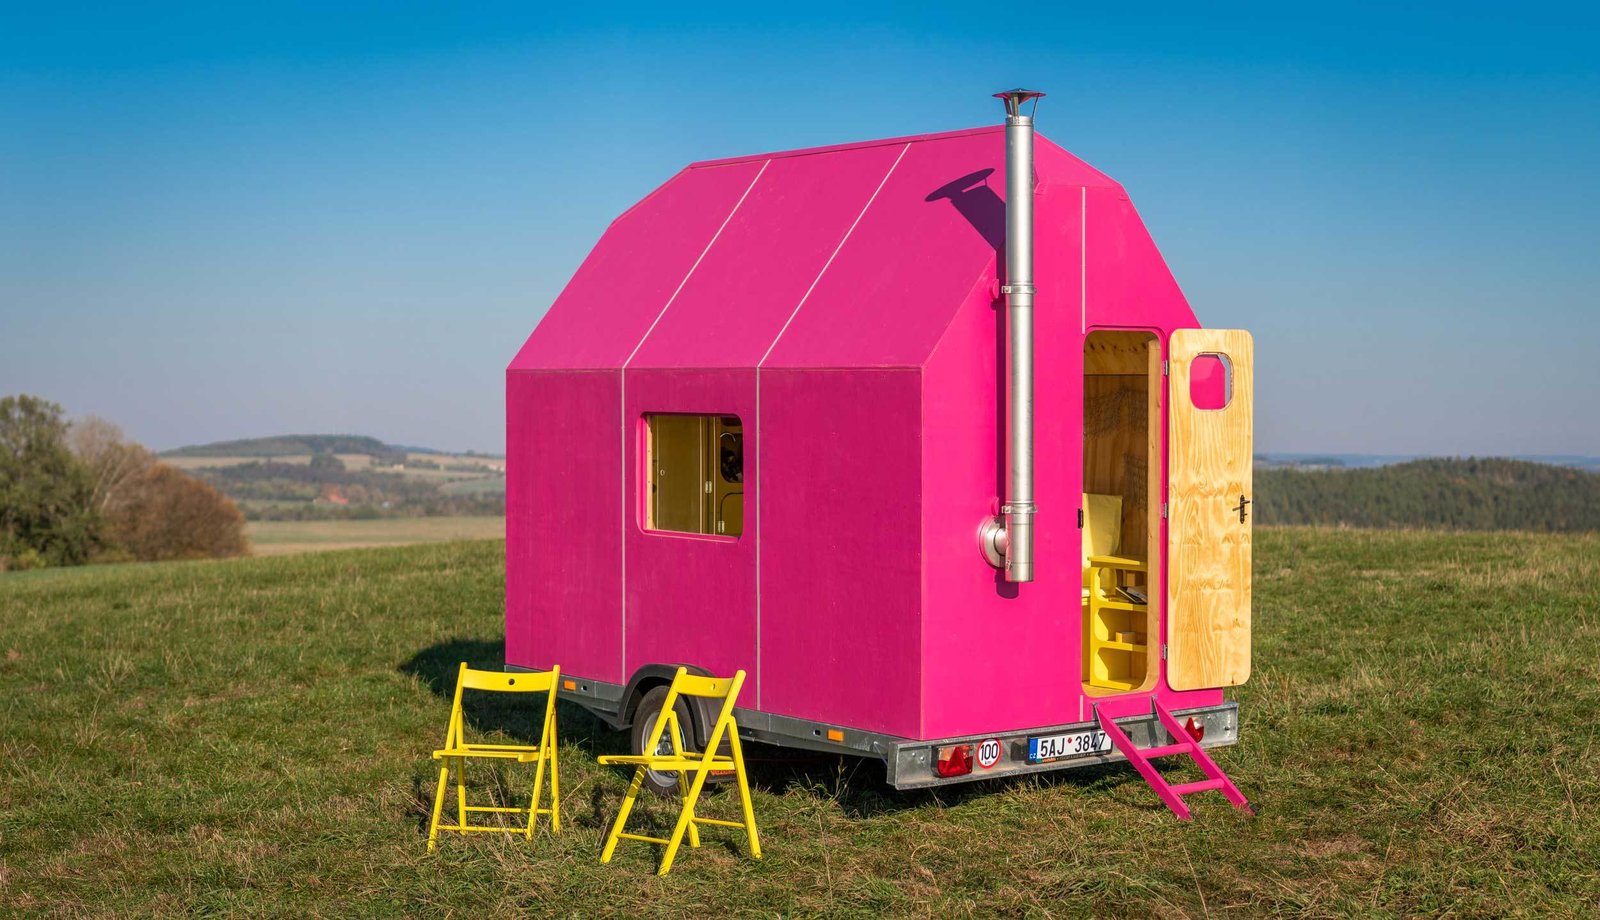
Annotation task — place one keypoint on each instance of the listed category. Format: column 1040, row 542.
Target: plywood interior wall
column 1117, row 428
column 1122, row 398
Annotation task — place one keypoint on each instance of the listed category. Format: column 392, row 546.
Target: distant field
column 278, row 538
column 479, row 466
column 251, row 737
column 471, row 486
column 198, row 463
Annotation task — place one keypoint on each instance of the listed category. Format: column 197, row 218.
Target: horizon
column 1271, row 455
column 220, row 224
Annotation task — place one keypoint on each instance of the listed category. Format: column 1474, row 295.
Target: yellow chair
column 687, row 764
column 457, row 749
column 1108, row 613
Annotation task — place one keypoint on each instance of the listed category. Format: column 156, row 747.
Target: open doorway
column 1121, row 512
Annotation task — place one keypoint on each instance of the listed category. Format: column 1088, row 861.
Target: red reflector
column 1195, row 729
column 955, row 760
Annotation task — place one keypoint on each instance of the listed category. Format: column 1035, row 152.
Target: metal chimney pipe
column 1008, row 539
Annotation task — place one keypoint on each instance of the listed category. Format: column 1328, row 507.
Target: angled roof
column 856, row 255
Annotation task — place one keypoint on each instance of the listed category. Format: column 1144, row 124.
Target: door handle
column 1240, row 507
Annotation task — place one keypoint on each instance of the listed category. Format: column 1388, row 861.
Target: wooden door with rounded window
column 1209, row 498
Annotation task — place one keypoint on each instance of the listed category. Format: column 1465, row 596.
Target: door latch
column 1240, row 507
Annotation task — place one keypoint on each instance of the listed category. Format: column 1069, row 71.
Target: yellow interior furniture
column 688, row 764
column 456, row 750
column 1117, row 643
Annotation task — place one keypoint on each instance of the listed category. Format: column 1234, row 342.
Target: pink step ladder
column 1182, row 743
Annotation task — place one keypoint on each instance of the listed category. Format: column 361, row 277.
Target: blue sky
column 222, row 222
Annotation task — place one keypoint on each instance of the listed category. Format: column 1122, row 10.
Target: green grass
column 251, row 737
column 277, row 538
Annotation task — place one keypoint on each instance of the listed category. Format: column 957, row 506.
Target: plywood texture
column 1116, row 353
column 1208, row 595
column 1115, row 458
column 1122, row 390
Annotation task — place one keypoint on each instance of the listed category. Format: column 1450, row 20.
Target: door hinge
column 1166, row 367
column 1163, row 651
column 1165, row 511
column 1080, row 518
column 708, row 487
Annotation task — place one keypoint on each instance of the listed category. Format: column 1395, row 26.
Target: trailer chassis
column 910, row 764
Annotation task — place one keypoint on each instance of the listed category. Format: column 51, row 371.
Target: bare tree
column 115, row 463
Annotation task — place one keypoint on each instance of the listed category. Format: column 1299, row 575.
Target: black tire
column 644, row 722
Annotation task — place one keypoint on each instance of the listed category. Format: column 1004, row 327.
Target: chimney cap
column 1014, row 98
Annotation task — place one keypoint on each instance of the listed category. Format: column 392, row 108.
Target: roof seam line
column 835, row 254
column 668, row 305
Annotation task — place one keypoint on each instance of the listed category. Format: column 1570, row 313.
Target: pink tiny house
column 950, row 470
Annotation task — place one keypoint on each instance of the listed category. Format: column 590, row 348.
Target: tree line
column 81, row 492
column 1453, row 494
column 274, row 491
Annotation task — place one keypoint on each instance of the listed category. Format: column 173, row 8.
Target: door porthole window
column 1210, row 381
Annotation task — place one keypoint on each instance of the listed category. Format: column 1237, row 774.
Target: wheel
column 649, row 710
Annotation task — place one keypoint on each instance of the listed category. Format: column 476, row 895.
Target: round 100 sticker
column 989, row 753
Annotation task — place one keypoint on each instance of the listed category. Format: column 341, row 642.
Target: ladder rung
column 1182, row 747
column 720, row 822
column 661, row 840
column 1204, row 785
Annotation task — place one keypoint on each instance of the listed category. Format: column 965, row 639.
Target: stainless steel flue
column 1008, row 539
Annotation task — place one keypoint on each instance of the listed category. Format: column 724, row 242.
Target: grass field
column 251, row 736
column 278, row 538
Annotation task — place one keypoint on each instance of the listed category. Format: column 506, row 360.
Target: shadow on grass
column 579, row 732
column 509, row 713
column 858, row 784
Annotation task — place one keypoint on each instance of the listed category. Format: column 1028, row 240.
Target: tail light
column 955, row 760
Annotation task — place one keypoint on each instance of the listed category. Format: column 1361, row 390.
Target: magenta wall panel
column 895, row 285
column 627, row 279
column 1056, row 168
column 1129, row 283
column 754, row 277
column 691, row 598
column 841, row 562
column 1018, row 643
column 563, row 546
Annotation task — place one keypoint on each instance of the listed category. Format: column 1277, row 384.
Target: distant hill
column 1453, row 494
column 1355, row 461
column 291, row 445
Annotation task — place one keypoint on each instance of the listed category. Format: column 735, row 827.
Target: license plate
column 1074, row 744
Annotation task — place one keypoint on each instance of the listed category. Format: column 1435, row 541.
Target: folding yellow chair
column 687, row 764
column 458, row 750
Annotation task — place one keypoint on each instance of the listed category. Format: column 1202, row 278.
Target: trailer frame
column 909, row 762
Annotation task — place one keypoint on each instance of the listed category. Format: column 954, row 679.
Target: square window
column 695, row 474
column 1210, row 381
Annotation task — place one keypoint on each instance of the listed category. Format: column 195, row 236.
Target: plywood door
column 1209, row 492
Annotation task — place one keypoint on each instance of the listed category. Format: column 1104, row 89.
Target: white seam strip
column 1083, row 260
column 758, row 537
column 668, row 305
column 796, row 312
column 814, row 281
column 622, row 409
column 622, row 427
